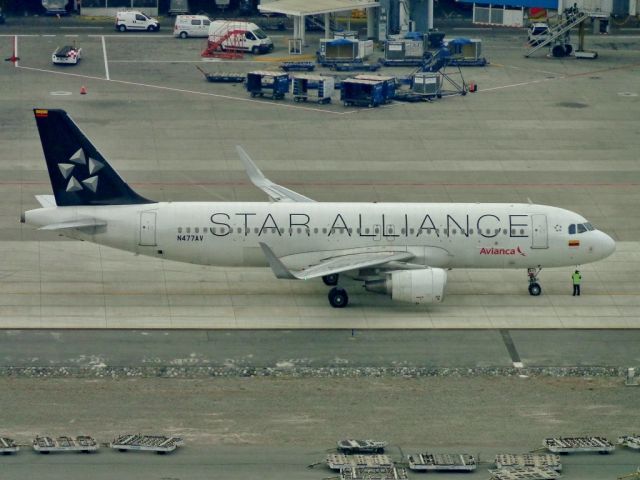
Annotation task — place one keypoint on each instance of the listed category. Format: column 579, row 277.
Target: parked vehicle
column 135, row 20
column 538, row 32
column 245, row 36
column 67, row 55
column 191, row 26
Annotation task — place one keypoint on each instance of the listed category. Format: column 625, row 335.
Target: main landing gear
column 534, row 287
column 338, row 297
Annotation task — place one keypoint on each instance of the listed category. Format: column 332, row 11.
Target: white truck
column 135, row 20
column 191, row 26
column 244, row 36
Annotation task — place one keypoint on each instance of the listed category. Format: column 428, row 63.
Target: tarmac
column 555, row 131
column 559, row 132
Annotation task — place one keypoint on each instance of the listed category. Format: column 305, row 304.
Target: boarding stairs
column 562, row 29
column 217, row 48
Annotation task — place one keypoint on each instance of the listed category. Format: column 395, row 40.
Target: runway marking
column 511, row 348
column 106, row 63
column 561, row 77
column 194, row 92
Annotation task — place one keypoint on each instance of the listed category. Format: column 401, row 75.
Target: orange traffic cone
column 83, row 90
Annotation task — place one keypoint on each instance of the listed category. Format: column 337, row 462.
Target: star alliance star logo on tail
column 79, row 159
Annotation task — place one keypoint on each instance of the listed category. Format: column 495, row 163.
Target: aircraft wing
column 276, row 192
column 333, row 265
column 84, row 223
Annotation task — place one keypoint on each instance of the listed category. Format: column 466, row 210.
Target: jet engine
column 425, row 285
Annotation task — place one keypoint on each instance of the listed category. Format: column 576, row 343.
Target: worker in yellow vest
column 576, row 278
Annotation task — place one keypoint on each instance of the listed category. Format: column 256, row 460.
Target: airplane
column 400, row 249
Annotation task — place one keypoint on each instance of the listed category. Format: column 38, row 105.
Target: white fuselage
column 445, row 235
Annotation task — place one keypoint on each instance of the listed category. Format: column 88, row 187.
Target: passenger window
column 522, row 231
column 140, row 18
column 572, row 229
column 315, row 230
column 179, row 229
column 197, row 230
column 581, row 228
column 188, row 229
column 249, row 36
column 206, row 22
column 195, row 22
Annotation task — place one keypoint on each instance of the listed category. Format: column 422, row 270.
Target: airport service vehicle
column 67, row 55
column 537, row 33
column 399, row 249
column 245, row 36
column 191, row 26
column 135, row 20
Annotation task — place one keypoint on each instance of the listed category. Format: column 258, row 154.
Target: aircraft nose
column 607, row 245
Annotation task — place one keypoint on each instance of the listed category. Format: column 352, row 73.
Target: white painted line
column 193, row 92
column 15, row 51
column 48, row 35
column 12, row 35
column 472, row 28
column 72, row 35
column 133, row 35
column 81, row 28
column 518, row 364
column 106, row 63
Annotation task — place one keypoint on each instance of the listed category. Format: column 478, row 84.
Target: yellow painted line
column 296, row 58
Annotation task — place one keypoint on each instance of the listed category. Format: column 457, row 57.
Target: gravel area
column 292, row 411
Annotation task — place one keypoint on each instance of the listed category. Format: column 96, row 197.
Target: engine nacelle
column 425, row 285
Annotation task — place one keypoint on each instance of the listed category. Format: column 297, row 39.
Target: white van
column 191, row 26
column 244, row 36
column 135, row 20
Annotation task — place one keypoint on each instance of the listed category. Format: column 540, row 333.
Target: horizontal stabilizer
column 85, row 223
column 276, row 192
column 46, row 201
column 330, row 266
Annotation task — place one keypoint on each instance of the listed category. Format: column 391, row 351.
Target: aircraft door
column 148, row 229
column 539, row 233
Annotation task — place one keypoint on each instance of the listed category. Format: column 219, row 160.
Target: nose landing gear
column 534, row 287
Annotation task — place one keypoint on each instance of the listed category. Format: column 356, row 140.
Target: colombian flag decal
column 42, row 113
column 574, row 243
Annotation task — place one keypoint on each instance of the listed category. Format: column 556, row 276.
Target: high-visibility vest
column 576, row 277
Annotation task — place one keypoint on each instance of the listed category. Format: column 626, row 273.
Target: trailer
column 373, row 473
column 264, row 82
column 442, row 462
column 544, row 460
column 298, row 66
column 524, row 473
column 339, row 461
column 388, row 85
column 578, row 444
column 362, row 93
column 8, row 446
column 223, row 77
column 82, row 443
column 316, row 87
column 353, row 66
column 146, row 443
column 630, row 441
column 361, row 446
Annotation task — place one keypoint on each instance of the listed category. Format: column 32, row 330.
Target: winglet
column 276, row 192
column 278, row 268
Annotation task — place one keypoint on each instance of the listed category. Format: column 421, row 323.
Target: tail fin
column 79, row 174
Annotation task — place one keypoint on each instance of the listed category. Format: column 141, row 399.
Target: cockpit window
column 589, row 227
column 572, row 229
column 581, row 228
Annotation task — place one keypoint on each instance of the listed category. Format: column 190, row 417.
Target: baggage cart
column 354, row 66
column 8, row 446
column 388, row 85
column 578, row 444
column 316, row 87
column 362, row 93
column 361, row 446
column 544, row 460
column 82, row 443
column 442, row 462
column 630, row 441
column 146, row 443
column 264, row 82
column 298, row 66
column 340, row 461
column 223, row 77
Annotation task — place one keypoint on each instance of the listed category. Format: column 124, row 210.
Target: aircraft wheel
column 535, row 289
column 568, row 49
column 558, row 51
column 330, row 280
column 338, row 297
